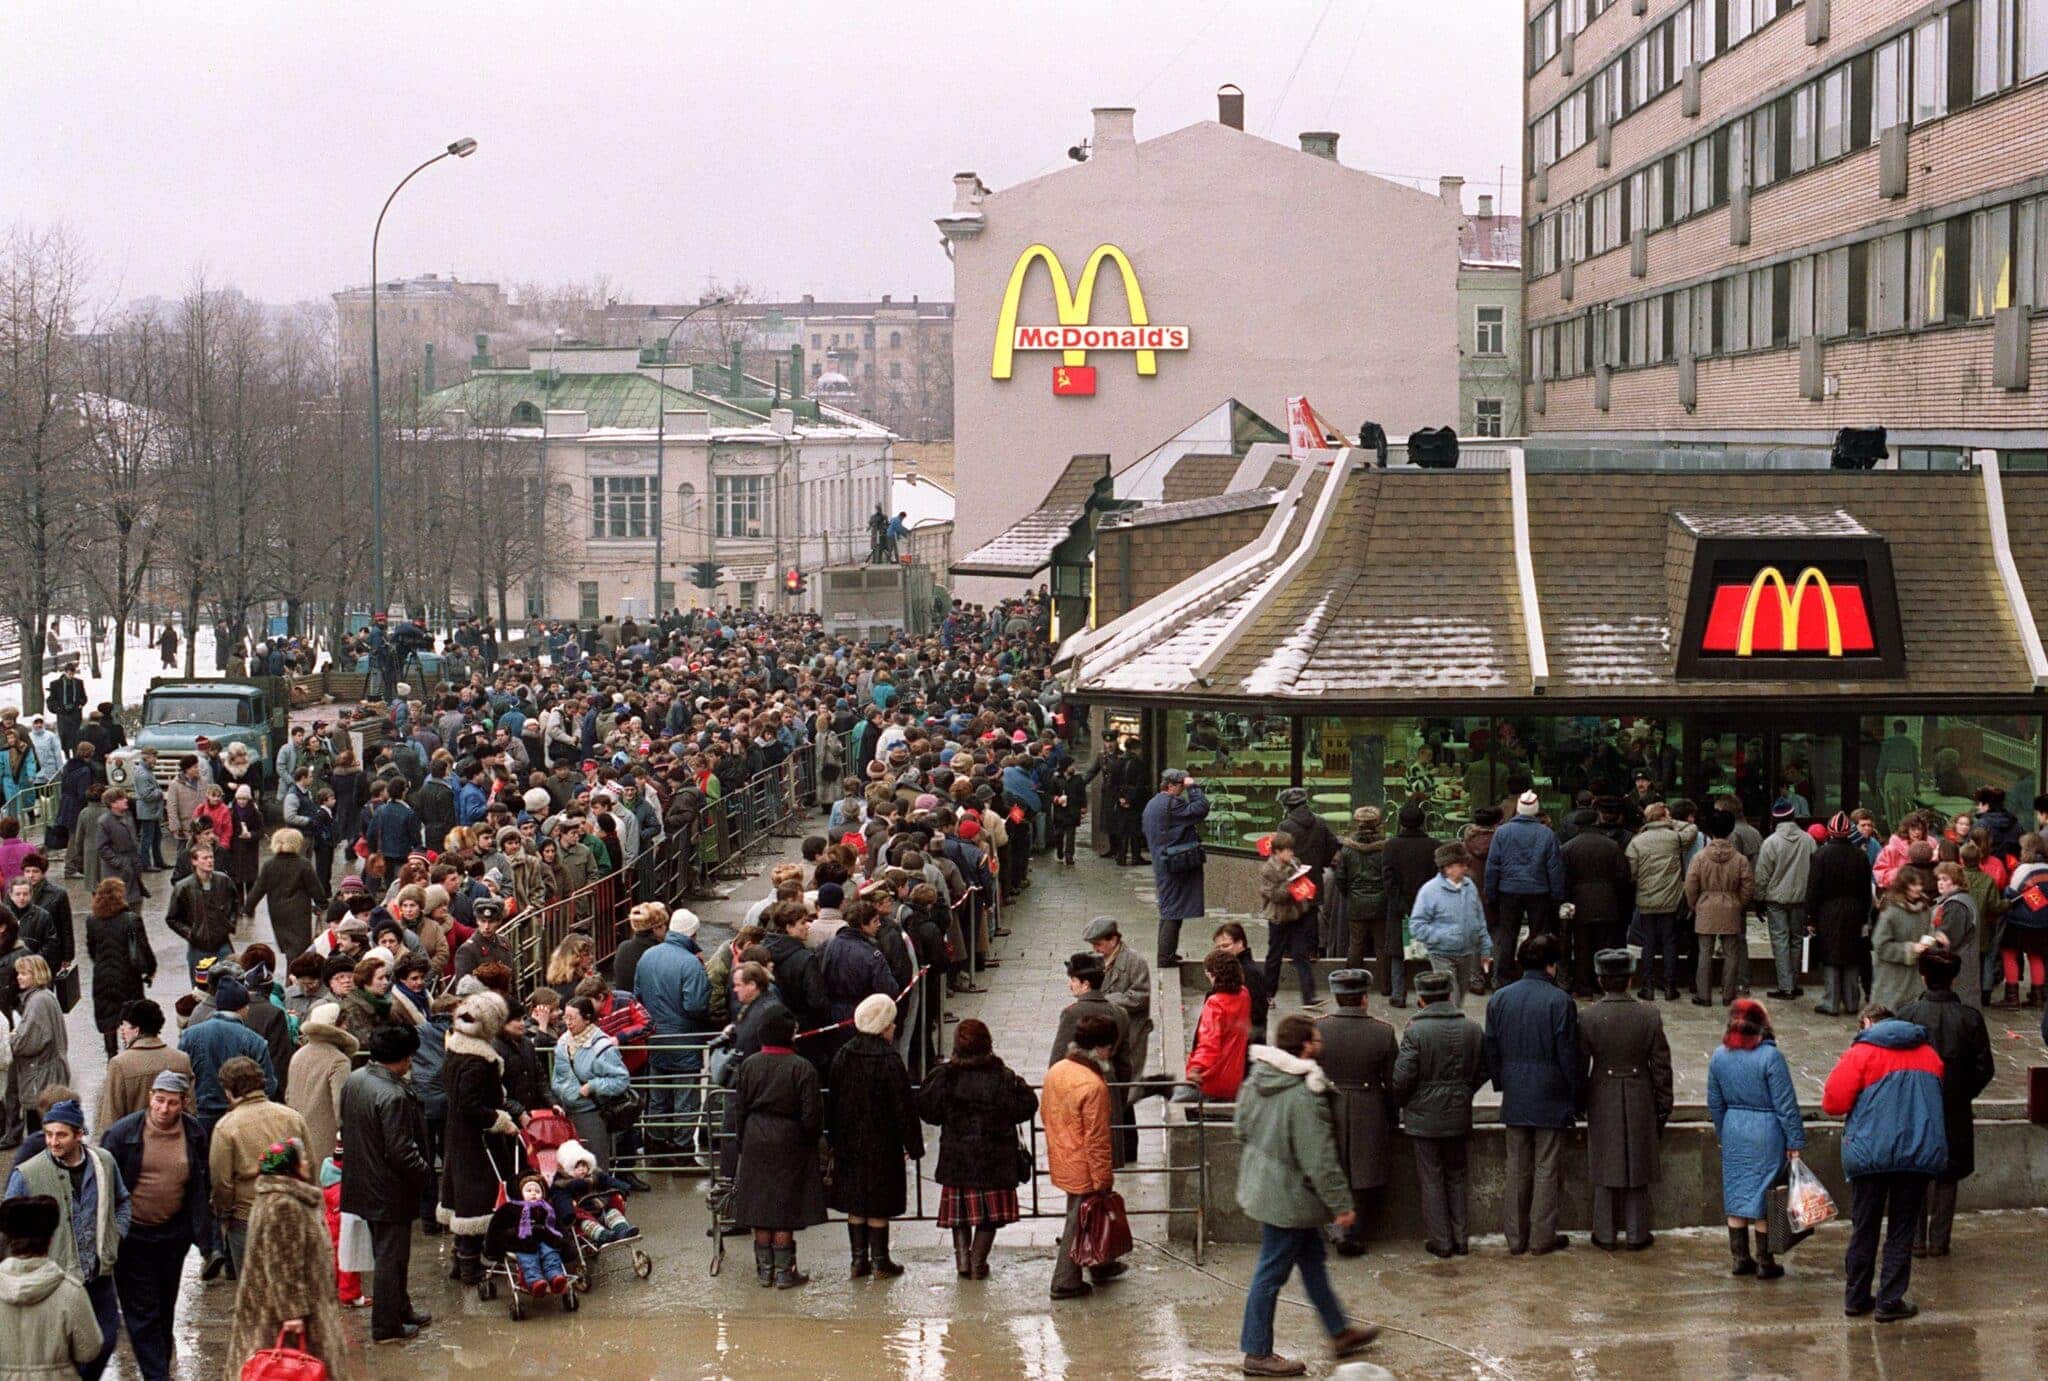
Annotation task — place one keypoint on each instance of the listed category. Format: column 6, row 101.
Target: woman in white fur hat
column 480, row 1143
column 872, row 1121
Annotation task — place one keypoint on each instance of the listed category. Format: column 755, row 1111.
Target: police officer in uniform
column 1628, row 1101
column 1358, row 1059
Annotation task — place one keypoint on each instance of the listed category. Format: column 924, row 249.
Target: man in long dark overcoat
column 1358, row 1059
column 1628, row 1101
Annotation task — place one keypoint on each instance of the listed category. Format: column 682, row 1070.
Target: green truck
column 176, row 714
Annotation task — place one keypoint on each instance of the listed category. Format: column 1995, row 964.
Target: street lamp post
column 461, row 148
column 660, row 438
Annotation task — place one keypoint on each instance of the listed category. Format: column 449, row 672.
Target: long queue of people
column 374, row 1068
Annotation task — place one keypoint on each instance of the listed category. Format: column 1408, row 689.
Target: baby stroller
column 540, row 1139
column 573, row 1162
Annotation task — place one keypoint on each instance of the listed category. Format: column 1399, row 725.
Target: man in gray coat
column 1127, row 985
column 1441, row 1064
column 1628, row 1101
column 1783, row 865
column 1358, row 1057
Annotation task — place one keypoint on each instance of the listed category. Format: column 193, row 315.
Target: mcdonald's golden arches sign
column 1073, row 333
column 1821, row 609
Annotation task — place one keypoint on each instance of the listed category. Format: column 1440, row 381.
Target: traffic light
column 793, row 581
column 705, row 575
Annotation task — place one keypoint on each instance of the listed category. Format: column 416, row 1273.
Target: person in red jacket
column 1887, row 1090
column 1223, row 1032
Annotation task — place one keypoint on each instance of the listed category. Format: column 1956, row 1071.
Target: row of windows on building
column 1969, row 53
column 818, row 340
column 1946, row 272
column 625, row 508
column 1693, row 33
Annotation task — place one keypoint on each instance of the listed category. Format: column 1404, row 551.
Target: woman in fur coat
column 480, row 1146
column 287, row 1269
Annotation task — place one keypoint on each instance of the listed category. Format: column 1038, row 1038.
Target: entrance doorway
column 1757, row 761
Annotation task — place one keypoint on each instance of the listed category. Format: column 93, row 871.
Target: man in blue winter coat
column 669, row 981
column 1535, row 1060
column 215, row 1041
column 1524, row 883
column 1172, row 824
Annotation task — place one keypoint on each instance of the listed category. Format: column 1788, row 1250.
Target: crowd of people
column 446, row 968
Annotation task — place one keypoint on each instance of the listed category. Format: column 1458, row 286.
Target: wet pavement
column 1671, row 1311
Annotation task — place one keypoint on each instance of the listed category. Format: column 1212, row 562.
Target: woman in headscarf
column 1756, row 1117
column 286, row 1276
column 245, row 842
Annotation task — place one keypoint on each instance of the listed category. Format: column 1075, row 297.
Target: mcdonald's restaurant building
column 1454, row 638
column 1106, row 306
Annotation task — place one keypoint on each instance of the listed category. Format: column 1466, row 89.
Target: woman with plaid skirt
column 977, row 1101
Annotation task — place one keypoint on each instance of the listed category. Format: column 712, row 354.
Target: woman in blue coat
column 588, row 1067
column 1756, row 1116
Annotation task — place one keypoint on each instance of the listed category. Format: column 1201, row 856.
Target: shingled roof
column 1025, row 548
column 1411, row 592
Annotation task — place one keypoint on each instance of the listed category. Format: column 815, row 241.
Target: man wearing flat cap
column 162, row 1155
column 1085, row 972
column 1628, row 1101
column 88, row 1240
column 1358, row 1059
column 1127, row 985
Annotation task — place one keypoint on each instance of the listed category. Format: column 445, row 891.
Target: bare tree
column 126, row 374
column 42, row 434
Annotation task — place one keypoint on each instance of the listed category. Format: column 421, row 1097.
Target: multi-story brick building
column 1753, row 222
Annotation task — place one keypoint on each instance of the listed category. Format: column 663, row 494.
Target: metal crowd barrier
column 36, row 807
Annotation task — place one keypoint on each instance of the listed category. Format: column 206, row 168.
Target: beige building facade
column 1271, row 270
column 1753, row 222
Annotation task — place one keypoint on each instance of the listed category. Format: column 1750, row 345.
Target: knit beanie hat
column 875, row 1013
column 1528, row 803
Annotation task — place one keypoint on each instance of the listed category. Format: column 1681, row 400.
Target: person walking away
column 1410, row 858
column 1440, row 1065
column 1534, row 1058
column 238, row 1144
column 149, row 815
column 120, row 852
column 871, row 1118
column 288, row 1287
column 1358, row 1059
column 48, row 1327
column 1361, row 879
column 1079, row 1151
column 295, row 890
column 778, row 1118
column 1657, row 866
column 1288, row 927
column 977, row 1102
column 1756, row 1119
column 1837, row 913
column 1887, row 1090
column 93, row 1216
column 1628, row 1101
column 1291, row 1182
column 1719, row 886
column 1449, row 922
column 385, row 1132
column 123, row 963
column 1524, row 882
column 1596, row 880
column 1904, row 928
column 1784, row 866
column 1171, row 824
column 1956, row 925
column 318, row 1070
column 1957, row 1033
column 161, row 1154
column 1124, row 784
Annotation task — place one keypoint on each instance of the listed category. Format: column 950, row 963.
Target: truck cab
column 176, row 714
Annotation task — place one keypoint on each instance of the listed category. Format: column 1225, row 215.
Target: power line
column 1169, row 64
column 1365, row 19
column 1298, row 61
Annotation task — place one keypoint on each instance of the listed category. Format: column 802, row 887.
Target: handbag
column 620, row 1111
column 288, row 1361
column 1103, row 1232
column 67, row 986
column 1027, row 1168
column 1180, row 859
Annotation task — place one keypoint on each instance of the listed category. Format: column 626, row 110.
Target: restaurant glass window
column 1936, row 763
column 1443, row 764
column 1809, row 774
column 1242, row 763
column 1560, row 757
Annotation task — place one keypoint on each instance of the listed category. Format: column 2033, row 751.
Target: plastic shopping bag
column 1808, row 1203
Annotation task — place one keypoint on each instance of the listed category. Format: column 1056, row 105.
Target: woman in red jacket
column 1223, row 1032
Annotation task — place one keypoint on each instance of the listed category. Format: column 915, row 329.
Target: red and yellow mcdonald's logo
column 1071, row 304
column 1810, row 617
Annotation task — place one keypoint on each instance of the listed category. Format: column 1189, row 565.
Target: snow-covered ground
column 143, row 662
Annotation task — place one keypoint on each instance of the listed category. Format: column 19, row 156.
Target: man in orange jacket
column 1078, row 1155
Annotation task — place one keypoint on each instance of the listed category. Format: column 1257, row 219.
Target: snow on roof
column 925, row 500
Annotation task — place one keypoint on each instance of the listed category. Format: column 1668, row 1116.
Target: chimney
column 796, row 371
column 1320, row 142
column 687, row 422
column 738, row 371
column 885, row 299
column 427, row 381
column 1452, row 190
column 1230, row 105
column 482, row 358
column 782, row 421
column 1116, row 127
column 1486, row 206
column 967, row 194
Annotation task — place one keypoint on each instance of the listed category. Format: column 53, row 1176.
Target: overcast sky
column 793, row 145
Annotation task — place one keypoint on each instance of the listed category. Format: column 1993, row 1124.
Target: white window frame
column 1489, row 331
column 619, row 508
column 740, row 506
column 1489, row 417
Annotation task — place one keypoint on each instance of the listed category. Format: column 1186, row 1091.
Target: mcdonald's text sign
column 1073, row 333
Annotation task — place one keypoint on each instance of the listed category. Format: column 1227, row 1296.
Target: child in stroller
column 593, row 1200
column 525, row 1229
